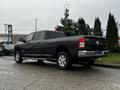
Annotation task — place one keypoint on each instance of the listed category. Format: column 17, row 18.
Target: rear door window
column 51, row 35
column 37, row 36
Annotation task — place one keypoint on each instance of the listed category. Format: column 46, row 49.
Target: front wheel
column 18, row 57
column 63, row 61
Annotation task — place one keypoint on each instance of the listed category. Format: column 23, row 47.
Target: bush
column 115, row 49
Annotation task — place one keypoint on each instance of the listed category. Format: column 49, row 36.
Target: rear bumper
column 85, row 53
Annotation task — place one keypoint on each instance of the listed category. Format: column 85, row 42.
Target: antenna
column 36, row 24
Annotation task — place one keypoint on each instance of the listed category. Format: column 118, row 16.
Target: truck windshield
column 51, row 35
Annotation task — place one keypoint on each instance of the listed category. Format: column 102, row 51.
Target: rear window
column 51, row 35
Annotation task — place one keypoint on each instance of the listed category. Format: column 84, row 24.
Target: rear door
column 37, row 43
column 33, row 46
column 51, row 41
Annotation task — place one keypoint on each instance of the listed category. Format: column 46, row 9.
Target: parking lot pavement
column 33, row 76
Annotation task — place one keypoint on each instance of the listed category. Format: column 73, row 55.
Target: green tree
column 71, row 28
column 97, row 27
column 89, row 29
column 112, row 33
column 82, row 27
column 68, row 25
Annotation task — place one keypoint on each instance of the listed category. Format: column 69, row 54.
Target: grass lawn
column 111, row 58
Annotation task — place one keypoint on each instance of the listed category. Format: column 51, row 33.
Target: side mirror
column 24, row 41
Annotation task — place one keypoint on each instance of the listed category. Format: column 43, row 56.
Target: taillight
column 81, row 43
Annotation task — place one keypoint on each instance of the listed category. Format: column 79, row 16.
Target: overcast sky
column 22, row 13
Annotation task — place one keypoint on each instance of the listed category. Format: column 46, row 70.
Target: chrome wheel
column 62, row 60
column 17, row 56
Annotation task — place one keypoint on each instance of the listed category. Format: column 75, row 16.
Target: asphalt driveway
column 33, row 76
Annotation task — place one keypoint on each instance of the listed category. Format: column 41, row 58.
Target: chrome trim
column 85, row 53
column 48, row 55
column 46, row 59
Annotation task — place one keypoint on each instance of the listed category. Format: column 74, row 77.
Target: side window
column 48, row 35
column 37, row 36
column 29, row 37
column 51, row 35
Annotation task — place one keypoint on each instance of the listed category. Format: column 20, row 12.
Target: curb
column 108, row 66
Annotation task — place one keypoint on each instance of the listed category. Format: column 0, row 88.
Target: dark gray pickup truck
column 55, row 46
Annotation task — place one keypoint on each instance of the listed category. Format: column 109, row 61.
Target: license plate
column 98, row 52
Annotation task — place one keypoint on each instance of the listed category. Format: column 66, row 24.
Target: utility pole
column 35, row 24
column 118, row 24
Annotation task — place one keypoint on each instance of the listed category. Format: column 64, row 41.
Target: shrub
column 115, row 49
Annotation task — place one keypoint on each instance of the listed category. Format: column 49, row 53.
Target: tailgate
column 95, row 43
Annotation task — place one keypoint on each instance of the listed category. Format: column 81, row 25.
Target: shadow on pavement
column 53, row 66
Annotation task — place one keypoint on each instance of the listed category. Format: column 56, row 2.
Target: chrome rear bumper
column 85, row 53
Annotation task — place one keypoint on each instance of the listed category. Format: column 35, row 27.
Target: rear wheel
column 63, row 61
column 18, row 57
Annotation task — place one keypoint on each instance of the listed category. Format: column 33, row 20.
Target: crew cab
column 64, row 50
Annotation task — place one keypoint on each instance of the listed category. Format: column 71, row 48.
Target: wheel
column 88, row 63
column 18, row 57
column 63, row 61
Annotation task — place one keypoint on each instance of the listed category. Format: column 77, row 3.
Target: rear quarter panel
column 50, row 45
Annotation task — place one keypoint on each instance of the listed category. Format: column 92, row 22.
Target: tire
column 18, row 57
column 63, row 61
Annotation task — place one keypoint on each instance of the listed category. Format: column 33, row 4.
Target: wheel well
column 61, row 48
column 16, row 49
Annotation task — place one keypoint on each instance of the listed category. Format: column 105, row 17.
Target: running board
column 46, row 59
